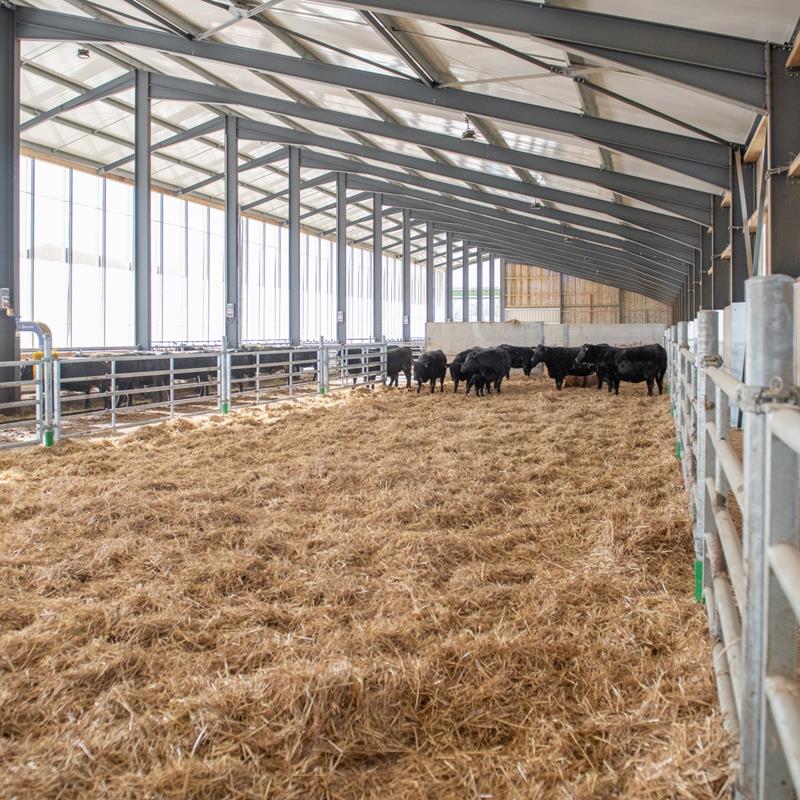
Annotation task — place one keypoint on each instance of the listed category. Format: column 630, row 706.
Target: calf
column 399, row 359
column 560, row 362
column 456, row 367
column 430, row 366
column 596, row 356
column 520, row 357
column 486, row 368
column 631, row 364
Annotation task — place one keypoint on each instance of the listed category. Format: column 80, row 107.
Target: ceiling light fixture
column 83, row 53
column 468, row 133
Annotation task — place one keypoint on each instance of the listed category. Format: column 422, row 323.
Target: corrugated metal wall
column 534, row 294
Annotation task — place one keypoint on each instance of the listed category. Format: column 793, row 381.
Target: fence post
column 707, row 347
column 321, row 378
column 56, row 400
column 224, row 377
column 47, row 367
column 680, row 388
column 384, row 360
column 769, row 364
column 291, row 369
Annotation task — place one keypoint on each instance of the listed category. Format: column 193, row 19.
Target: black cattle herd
column 485, row 368
column 479, row 368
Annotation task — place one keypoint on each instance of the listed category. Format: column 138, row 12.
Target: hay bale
column 318, row 601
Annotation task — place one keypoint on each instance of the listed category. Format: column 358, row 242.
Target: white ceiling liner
column 102, row 132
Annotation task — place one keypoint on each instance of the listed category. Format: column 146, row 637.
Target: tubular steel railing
column 92, row 394
column 748, row 575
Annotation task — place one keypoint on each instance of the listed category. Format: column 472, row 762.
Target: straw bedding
column 379, row 595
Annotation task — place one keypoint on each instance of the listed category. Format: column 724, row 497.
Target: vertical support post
column 9, row 194
column 465, row 281
column 720, row 237
column 769, row 360
column 706, row 350
column 479, row 284
column 448, row 279
column 377, row 267
column 232, row 232
column 341, row 257
column 783, row 194
column 739, row 240
column 780, row 664
column 294, row 245
column 682, row 342
column 406, row 274
column 492, row 292
column 502, row 290
column 706, row 299
column 430, row 285
column 141, row 212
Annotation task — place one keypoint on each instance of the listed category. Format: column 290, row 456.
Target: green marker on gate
column 698, row 580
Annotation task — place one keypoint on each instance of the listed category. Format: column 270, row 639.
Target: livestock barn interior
column 399, row 399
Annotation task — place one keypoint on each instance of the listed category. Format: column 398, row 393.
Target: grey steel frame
column 750, row 584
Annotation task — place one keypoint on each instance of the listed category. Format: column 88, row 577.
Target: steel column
column 341, row 257
column 377, row 267
column 769, row 361
column 406, row 275
column 448, row 278
column 430, row 285
column 141, row 212
column 294, row 245
column 783, row 193
column 232, row 315
column 9, row 193
column 465, row 281
column 720, row 237
column 739, row 240
column 706, row 283
column 502, row 290
column 492, row 293
column 479, row 284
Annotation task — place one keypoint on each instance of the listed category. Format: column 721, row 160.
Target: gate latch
column 755, row 399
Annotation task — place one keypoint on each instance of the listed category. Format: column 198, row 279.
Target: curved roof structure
column 586, row 136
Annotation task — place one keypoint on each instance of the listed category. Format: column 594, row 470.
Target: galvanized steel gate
column 749, row 583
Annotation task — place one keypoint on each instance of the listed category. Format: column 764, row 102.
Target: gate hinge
column 755, row 399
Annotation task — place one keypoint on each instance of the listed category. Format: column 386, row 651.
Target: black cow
column 486, row 368
column 520, row 357
column 430, row 366
column 631, row 364
column 456, row 367
column 594, row 355
column 197, row 368
column 83, row 376
column 76, row 376
column 141, row 374
column 399, row 359
column 560, row 362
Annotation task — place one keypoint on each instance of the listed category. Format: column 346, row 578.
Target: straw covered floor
column 373, row 595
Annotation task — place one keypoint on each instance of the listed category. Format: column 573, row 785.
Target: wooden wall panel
column 581, row 301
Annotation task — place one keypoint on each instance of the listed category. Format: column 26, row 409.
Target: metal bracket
column 711, row 361
column 756, row 399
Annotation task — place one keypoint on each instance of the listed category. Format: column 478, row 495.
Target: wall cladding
column 537, row 294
